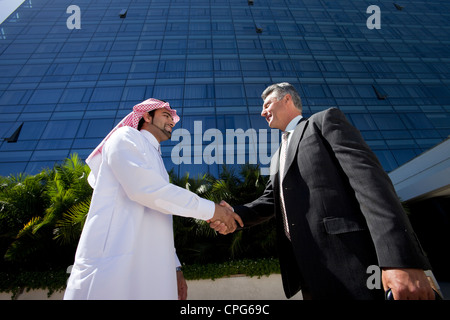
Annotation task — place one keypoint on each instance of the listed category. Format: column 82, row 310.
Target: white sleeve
column 143, row 183
column 177, row 261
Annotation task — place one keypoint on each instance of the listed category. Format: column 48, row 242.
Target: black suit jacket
column 343, row 212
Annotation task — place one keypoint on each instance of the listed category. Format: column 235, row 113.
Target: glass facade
column 211, row 60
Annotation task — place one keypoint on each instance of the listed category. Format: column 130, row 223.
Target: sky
column 7, row 7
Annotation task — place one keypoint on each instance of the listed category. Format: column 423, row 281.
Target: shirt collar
column 151, row 138
column 291, row 126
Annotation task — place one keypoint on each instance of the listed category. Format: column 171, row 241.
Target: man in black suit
column 336, row 209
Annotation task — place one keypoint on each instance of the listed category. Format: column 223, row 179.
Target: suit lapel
column 293, row 144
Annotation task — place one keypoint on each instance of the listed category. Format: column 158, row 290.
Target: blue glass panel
column 10, row 71
column 134, row 93
column 61, row 129
column 62, row 69
column 89, row 68
column 439, row 120
column 11, row 97
column 148, row 66
column 229, row 91
column 45, row 155
column 9, row 156
column 363, row 121
column 107, row 94
column 13, row 167
column 54, row 144
column 168, row 92
column 316, row 90
column 98, row 128
column 46, row 96
column 416, row 121
column 388, row 121
column 73, row 95
column 199, row 91
column 33, row 70
column 32, row 130
column 199, row 65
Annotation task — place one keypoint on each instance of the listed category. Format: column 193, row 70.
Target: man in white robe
column 126, row 249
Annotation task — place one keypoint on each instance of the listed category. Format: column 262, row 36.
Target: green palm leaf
column 68, row 229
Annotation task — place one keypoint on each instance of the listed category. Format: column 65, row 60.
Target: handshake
column 224, row 219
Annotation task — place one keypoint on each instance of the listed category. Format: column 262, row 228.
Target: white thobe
column 126, row 249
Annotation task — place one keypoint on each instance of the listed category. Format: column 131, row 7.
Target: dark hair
column 141, row 122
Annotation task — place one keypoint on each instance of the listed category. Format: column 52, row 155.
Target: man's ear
column 147, row 117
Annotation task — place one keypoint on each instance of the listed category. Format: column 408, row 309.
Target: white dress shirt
column 126, row 250
column 283, row 151
column 291, row 127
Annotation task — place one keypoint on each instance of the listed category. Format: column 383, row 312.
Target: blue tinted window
column 107, row 94
column 149, row 66
column 134, row 93
column 55, row 155
column 363, row 121
column 388, row 121
column 73, row 95
column 199, row 65
column 46, row 96
column 60, row 129
column 89, row 68
column 62, row 69
column 196, row 91
column 98, row 128
column 342, row 91
column 316, row 90
column 32, row 130
column 11, row 167
column 34, row 70
column 439, row 120
column 11, row 97
column 229, row 91
column 416, row 121
column 10, row 71
column 172, row 65
column 226, row 65
column 168, row 92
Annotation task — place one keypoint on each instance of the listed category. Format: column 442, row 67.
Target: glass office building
column 68, row 75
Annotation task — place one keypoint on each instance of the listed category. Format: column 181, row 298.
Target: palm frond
column 26, row 242
column 68, row 228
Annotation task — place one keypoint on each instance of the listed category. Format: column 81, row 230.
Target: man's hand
column 407, row 284
column 224, row 219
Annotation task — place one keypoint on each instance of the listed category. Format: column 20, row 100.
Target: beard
column 165, row 131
